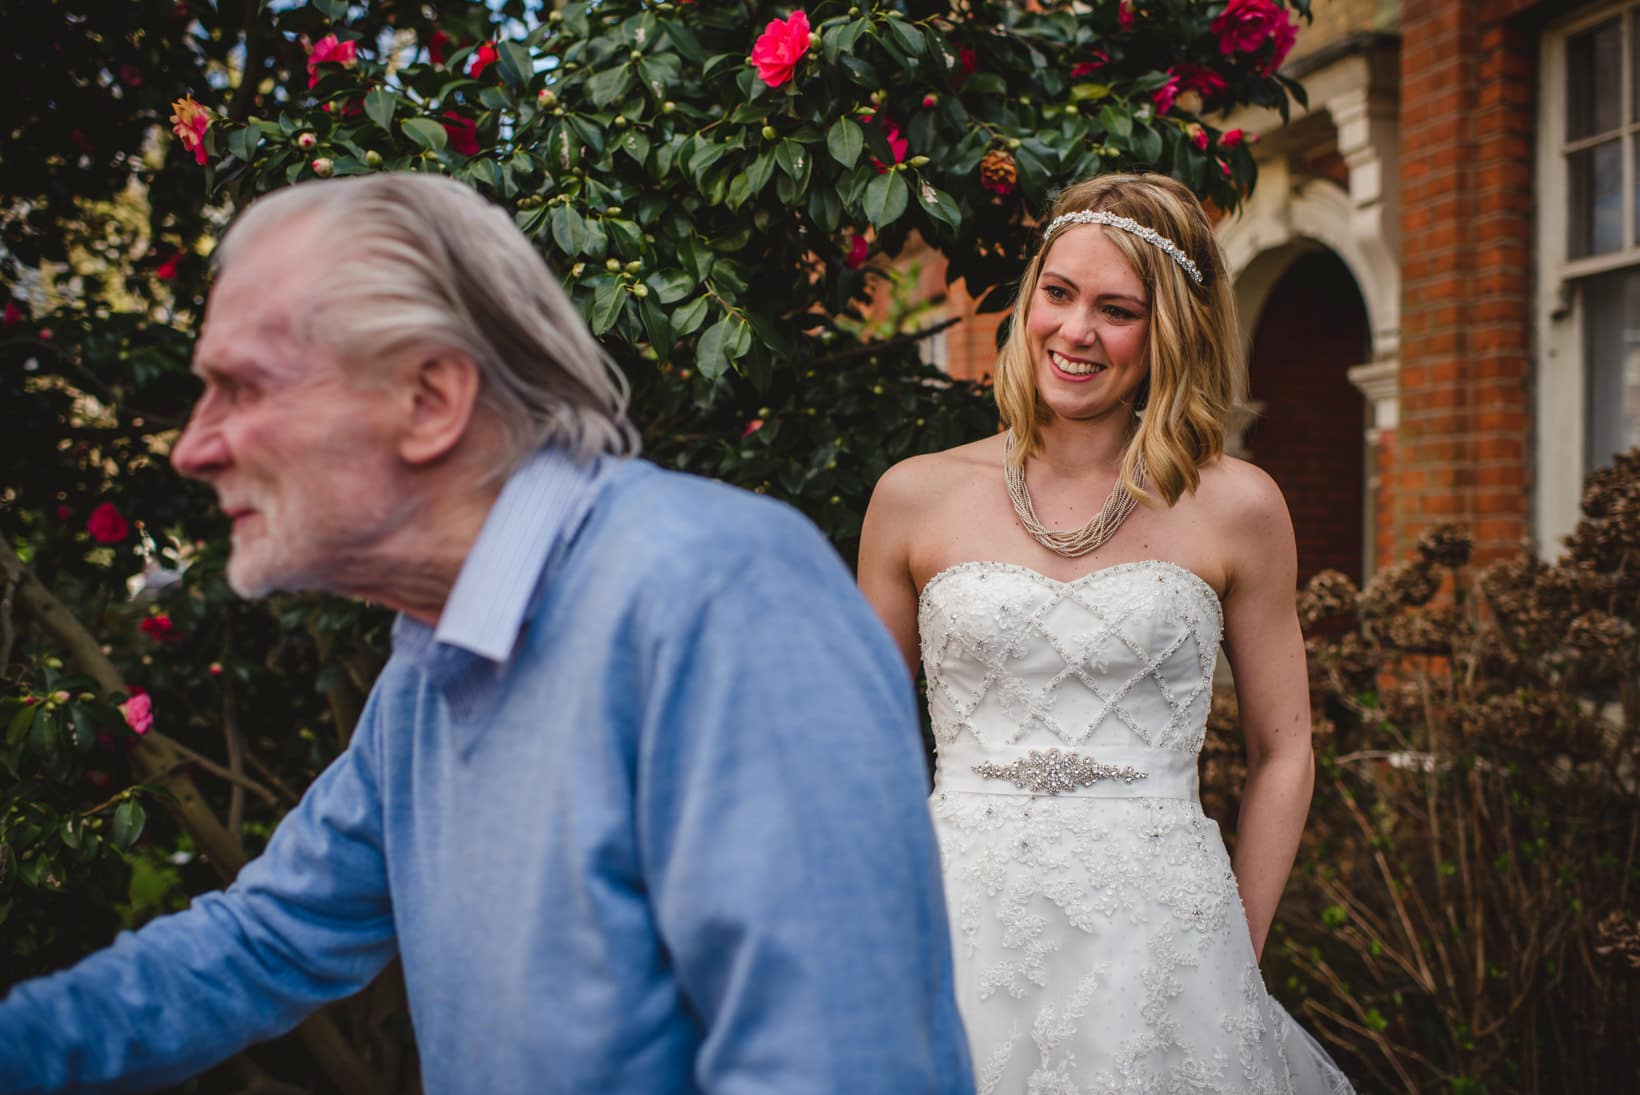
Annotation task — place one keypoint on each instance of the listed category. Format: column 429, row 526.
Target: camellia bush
column 721, row 187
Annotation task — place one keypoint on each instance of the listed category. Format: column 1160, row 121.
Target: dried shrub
column 1464, row 914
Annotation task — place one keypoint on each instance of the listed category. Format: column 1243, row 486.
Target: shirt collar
column 540, row 506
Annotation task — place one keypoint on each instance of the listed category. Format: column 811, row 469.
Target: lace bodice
column 1122, row 656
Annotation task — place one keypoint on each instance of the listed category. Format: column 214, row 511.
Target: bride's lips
column 1059, row 363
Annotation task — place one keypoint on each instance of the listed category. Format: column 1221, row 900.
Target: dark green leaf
column 687, row 319
column 885, row 199
column 379, row 104
column 20, row 723
column 513, row 59
column 426, row 132
column 609, row 85
column 939, row 205
column 710, row 357
column 606, row 306
column 129, row 818
column 671, row 286
column 844, row 140
column 569, row 230
column 334, row 10
column 906, row 36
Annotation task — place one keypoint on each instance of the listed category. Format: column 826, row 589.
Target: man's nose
column 200, row 451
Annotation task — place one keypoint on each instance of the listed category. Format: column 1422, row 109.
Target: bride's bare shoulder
column 935, row 475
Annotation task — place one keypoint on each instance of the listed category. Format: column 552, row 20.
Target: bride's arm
column 1266, row 652
column 884, row 571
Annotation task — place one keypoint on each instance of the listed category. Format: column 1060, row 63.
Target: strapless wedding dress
column 1099, row 938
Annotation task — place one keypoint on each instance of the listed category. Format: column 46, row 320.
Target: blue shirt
column 646, row 813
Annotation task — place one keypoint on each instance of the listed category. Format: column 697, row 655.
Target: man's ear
column 443, row 397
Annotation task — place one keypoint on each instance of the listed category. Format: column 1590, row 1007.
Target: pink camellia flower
column 167, row 270
column 1124, row 15
column 159, row 628
column 1245, row 25
column 1089, row 67
column 897, row 144
column 330, row 51
column 967, row 65
column 930, row 102
column 463, row 133
column 483, row 57
column 1197, row 135
column 138, row 712
column 189, row 121
column 12, row 315
column 1232, row 137
column 751, row 427
column 781, row 45
column 1165, row 95
column 215, row 669
column 106, row 526
column 857, row 251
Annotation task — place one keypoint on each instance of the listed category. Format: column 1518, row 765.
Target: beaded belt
column 1090, row 773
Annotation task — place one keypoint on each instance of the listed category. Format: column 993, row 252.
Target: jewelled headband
column 1132, row 228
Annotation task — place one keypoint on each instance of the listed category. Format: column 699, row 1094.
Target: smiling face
column 301, row 455
column 1087, row 328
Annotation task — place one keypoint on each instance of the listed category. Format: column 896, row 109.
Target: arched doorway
column 1310, row 430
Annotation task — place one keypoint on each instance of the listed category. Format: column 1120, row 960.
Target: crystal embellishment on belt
column 1052, row 772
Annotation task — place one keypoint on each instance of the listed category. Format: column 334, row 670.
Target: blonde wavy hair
column 1196, row 372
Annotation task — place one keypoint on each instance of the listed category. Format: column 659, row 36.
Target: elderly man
column 639, row 797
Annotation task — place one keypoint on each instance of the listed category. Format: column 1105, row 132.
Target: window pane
column 1594, row 77
column 1611, row 308
column 1595, row 176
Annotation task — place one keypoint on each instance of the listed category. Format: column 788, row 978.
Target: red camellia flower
column 1085, row 68
column 159, row 628
column 1197, row 135
column 483, row 57
column 751, row 427
column 330, row 50
column 1165, row 95
column 189, row 121
column 436, row 45
column 167, row 270
column 1209, row 84
column 781, row 45
column 857, row 251
column 64, row 512
column 12, row 316
column 1245, row 25
column 1124, row 15
column 463, row 133
column 1232, row 137
column 106, row 526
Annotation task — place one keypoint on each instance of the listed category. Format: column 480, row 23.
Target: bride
column 1067, row 585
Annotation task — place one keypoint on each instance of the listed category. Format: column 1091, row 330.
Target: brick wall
column 1461, row 451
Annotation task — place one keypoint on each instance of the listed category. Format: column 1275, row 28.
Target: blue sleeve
column 307, row 922
column 786, row 840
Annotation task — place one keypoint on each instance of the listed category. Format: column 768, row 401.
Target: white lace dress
column 1100, row 941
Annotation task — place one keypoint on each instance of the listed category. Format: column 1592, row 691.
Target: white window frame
column 1560, row 373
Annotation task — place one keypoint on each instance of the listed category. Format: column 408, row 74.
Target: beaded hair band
column 1132, row 228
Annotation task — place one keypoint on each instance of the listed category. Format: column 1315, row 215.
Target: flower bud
column 640, row 290
column 59, row 697
column 916, row 161
column 668, row 107
column 613, row 265
column 634, row 266
column 577, row 270
column 814, row 39
column 306, row 141
column 556, row 16
column 620, row 121
column 770, row 133
column 546, row 97
column 634, row 55
column 323, row 167
column 372, row 158
column 612, row 211
column 1012, row 143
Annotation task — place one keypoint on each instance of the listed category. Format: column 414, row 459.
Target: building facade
column 1436, row 273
